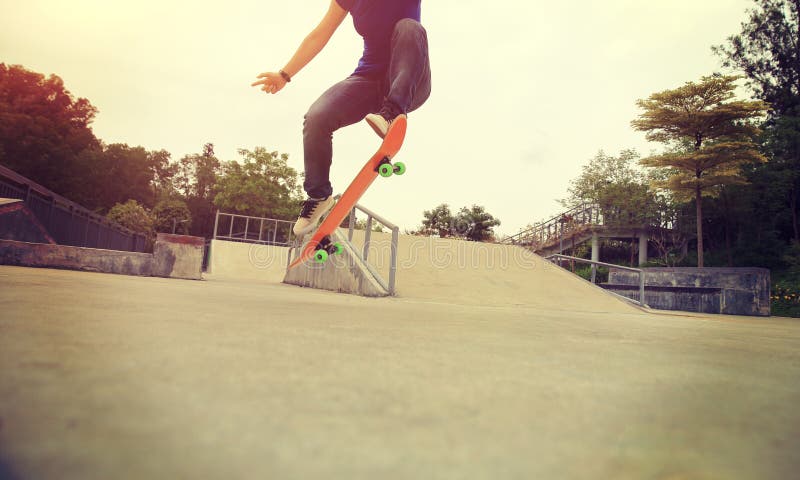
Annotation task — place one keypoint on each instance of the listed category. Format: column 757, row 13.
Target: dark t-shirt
column 375, row 20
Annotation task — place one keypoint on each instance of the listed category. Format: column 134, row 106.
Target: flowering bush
column 785, row 300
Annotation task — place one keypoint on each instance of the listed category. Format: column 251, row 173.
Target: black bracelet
column 285, row 76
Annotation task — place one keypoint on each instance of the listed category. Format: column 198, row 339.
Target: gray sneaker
column 313, row 210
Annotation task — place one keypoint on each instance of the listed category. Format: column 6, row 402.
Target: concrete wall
column 247, row 261
column 734, row 291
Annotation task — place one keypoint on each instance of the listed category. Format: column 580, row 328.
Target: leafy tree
column 196, row 175
column 172, row 216
column 711, row 138
column 121, row 173
column 475, row 223
column 767, row 52
column 621, row 191
column 195, row 179
column 44, row 129
column 361, row 224
column 438, row 221
column 264, row 185
column 134, row 216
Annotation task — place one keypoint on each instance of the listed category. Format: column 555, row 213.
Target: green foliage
column 133, row 216
column 785, row 300
column 263, row 186
column 766, row 51
column 438, row 221
column 44, row 129
column 621, row 191
column 196, row 175
column 121, row 172
column 473, row 223
column 361, row 224
column 194, row 179
column 711, row 136
column 172, row 216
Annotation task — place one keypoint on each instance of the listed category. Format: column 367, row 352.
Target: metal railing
column 558, row 227
column 244, row 228
column 67, row 222
column 595, row 264
column 389, row 285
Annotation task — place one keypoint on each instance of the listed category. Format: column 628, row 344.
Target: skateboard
column 320, row 247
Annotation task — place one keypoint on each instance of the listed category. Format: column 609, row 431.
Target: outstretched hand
column 271, row 82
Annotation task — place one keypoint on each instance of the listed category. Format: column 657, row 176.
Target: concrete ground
column 107, row 376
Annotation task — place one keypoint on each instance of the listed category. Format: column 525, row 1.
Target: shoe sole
column 376, row 129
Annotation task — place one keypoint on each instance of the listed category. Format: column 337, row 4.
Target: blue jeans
column 405, row 88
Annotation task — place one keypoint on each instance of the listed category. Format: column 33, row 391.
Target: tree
column 195, row 179
column 196, row 175
column 44, row 129
column 134, row 216
column 120, row 173
column 438, row 221
column 264, row 185
column 711, row 138
column 767, row 51
column 621, row 191
column 172, row 216
column 475, row 224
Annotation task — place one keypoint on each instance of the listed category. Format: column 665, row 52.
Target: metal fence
column 557, row 259
column 67, row 222
column 243, row 228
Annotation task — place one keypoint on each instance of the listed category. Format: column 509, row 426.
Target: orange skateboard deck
column 320, row 246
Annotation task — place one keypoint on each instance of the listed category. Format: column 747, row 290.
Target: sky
column 525, row 92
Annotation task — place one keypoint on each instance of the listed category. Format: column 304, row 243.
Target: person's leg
column 409, row 79
column 343, row 104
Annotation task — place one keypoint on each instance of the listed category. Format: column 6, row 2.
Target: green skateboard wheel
column 321, row 256
column 399, row 168
column 336, row 248
column 385, row 170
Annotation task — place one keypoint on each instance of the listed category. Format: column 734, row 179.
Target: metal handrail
column 584, row 214
column 390, row 285
column 595, row 263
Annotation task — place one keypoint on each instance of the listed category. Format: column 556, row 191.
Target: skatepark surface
column 475, row 370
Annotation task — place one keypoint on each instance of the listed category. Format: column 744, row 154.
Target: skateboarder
column 393, row 77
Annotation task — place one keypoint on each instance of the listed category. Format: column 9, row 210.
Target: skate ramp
column 18, row 223
column 474, row 273
column 436, row 270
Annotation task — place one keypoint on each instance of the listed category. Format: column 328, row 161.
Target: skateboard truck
column 326, row 248
column 386, row 168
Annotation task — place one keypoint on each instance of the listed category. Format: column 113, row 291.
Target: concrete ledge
column 178, row 256
column 175, row 256
column 344, row 273
column 44, row 255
